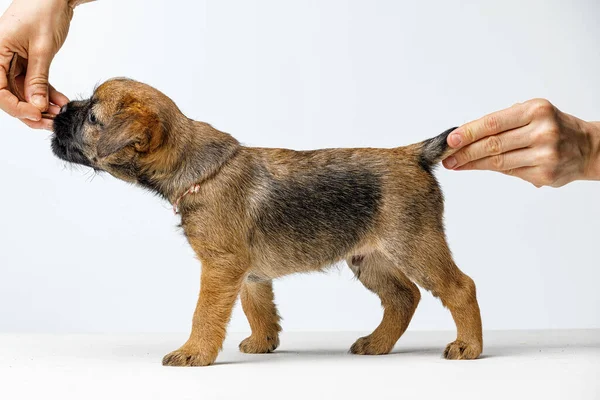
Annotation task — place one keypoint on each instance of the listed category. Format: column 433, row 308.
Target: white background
column 97, row 255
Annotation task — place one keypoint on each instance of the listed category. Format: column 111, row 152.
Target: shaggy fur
column 263, row 213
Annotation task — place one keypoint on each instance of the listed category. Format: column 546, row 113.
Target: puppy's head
column 118, row 130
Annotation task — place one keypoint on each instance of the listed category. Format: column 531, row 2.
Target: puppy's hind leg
column 430, row 265
column 399, row 298
column 259, row 307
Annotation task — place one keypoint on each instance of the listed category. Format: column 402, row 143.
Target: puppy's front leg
column 219, row 288
column 260, row 309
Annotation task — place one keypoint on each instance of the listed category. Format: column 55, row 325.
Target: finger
column 57, row 97
column 41, row 124
column 492, row 124
column 11, row 105
column 505, row 161
column 53, row 109
column 36, row 79
column 490, row 146
column 19, row 109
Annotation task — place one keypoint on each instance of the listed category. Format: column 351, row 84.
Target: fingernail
column 450, row 162
column 39, row 100
column 34, row 119
column 455, row 139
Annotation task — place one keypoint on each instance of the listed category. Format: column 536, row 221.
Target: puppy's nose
column 63, row 108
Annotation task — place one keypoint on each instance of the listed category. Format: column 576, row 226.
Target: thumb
column 36, row 79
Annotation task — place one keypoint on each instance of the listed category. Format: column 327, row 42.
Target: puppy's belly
column 267, row 269
column 270, row 263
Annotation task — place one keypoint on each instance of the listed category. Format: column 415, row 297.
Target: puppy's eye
column 92, row 118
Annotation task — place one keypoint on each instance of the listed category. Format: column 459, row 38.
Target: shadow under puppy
column 255, row 214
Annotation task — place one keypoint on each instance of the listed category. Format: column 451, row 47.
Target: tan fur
column 404, row 242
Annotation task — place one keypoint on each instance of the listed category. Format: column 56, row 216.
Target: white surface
column 83, row 255
column 516, row 365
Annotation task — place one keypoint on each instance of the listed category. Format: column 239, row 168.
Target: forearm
column 593, row 166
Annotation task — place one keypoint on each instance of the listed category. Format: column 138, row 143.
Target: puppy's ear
column 134, row 124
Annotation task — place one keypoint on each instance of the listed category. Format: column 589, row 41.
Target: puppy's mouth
column 66, row 142
column 69, row 153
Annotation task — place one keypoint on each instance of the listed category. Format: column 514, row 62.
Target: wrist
column 592, row 169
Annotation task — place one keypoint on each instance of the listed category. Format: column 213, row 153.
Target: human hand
column 35, row 30
column 533, row 141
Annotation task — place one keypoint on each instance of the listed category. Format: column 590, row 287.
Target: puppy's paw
column 187, row 358
column 256, row 345
column 459, row 350
column 371, row 345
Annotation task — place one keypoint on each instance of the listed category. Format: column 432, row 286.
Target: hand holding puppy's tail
column 434, row 150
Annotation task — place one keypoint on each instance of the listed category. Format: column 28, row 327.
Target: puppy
column 256, row 214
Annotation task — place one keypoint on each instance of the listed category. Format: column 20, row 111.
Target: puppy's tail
column 434, row 150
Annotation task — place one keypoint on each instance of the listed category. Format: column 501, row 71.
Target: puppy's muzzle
column 67, row 143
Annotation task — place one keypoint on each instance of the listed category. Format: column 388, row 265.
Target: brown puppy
column 256, row 214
